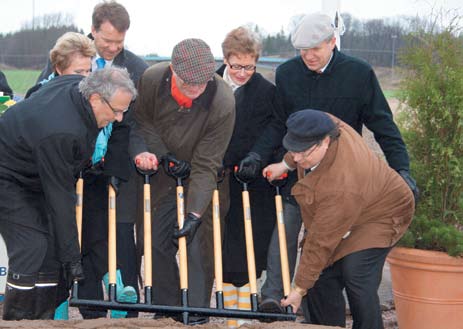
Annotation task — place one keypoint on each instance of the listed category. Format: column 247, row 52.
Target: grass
column 21, row 80
column 392, row 93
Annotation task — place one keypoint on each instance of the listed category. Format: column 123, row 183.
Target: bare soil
column 143, row 323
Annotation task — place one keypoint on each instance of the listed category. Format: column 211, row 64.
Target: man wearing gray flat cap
column 186, row 113
column 356, row 213
column 324, row 78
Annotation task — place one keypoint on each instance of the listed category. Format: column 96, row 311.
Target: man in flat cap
column 323, row 78
column 186, row 115
column 356, row 207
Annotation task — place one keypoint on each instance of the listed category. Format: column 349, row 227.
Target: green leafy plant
column 432, row 125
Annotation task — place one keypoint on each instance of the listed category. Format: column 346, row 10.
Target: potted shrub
column 427, row 276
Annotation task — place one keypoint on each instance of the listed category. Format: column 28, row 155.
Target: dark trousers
column 95, row 245
column 29, row 250
column 33, row 273
column 166, row 282
column 360, row 274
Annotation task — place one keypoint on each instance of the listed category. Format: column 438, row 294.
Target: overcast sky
column 157, row 25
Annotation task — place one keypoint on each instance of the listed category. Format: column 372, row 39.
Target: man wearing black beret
column 356, row 208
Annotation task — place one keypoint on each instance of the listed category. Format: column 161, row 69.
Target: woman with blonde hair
column 72, row 54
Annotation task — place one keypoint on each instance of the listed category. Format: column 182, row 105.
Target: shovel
column 278, row 183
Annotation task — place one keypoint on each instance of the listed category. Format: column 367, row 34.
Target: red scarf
column 180, row 98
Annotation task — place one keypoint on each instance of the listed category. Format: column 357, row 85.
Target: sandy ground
column 143, row 323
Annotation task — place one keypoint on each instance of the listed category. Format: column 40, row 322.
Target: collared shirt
column 327, row 63
column 308, row 171
column 94, row 66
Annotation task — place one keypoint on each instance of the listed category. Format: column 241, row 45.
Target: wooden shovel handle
column 79, row 205
column 147, row 234
column 112, row 262
column 283, row 245
column 249, row 243
column 183, row 260
column 217, row 241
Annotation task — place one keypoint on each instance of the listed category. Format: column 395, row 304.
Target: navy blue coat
column 255, row 102
column 348, row 89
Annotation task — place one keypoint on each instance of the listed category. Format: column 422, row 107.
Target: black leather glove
column 405, row 174
column 190, row 226
column 176, row 168
column 115, row 182
column 73, row 271
column 95, row 169
column 249, row 167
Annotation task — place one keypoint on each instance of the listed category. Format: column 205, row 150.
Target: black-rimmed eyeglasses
column 238, row 67
column 116, row 112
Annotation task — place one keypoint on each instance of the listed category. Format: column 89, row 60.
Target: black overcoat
column 255, row 103
column 45, row 141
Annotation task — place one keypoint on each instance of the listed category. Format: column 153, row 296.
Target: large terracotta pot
column 427, row 288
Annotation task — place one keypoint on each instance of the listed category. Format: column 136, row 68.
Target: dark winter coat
column 120, row 166
column 255, row 103
column 119, row 157
column 348, row 89
column 45, row 141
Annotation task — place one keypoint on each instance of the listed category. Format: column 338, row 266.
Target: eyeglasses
column 238, row 67
column 116, row 112
column 306, row 153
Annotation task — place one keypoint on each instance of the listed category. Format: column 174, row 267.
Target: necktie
column 100, row 63
column 101, row 145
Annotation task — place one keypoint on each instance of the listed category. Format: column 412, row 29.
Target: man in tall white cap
column 323, row 78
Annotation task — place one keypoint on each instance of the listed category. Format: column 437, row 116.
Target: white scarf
column 227, row 79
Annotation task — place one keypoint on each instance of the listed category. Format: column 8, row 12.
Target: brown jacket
column 199, row 135
column 351, row 190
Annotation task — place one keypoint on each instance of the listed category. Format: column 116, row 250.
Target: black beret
column 306, row 128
